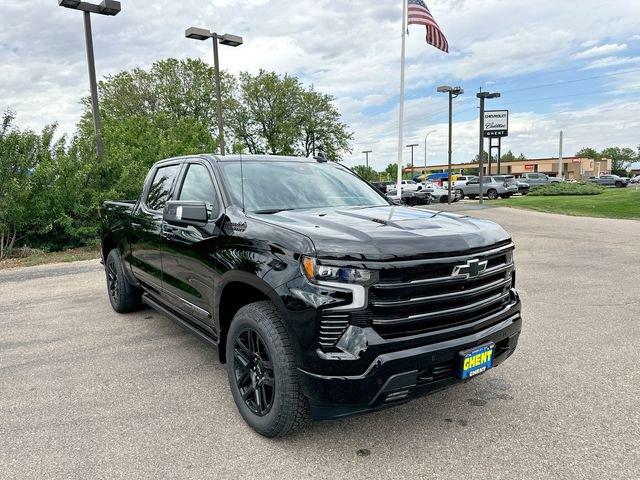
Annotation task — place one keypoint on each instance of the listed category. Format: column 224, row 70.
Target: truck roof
column 262, row 158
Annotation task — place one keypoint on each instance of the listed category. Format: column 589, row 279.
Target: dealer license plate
column 476, row 360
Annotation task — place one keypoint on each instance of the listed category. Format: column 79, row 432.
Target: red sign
column 529, row 168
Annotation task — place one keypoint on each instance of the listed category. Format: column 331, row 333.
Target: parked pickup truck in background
column 610, row 181
column 535, row 179
column 323, row 298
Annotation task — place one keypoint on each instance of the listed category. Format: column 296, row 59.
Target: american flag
column 419, row 14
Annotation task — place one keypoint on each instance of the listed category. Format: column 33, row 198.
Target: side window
column 161, row 186
column 197, row 185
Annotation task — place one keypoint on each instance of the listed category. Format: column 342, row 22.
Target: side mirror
column 183, row 213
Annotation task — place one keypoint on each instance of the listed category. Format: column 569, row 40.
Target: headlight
column 318, row 273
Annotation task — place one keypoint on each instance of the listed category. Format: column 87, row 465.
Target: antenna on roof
column 321, row 157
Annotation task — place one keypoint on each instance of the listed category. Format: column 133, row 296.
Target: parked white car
column 410, row 186
column 440, row 194
column 462, row 180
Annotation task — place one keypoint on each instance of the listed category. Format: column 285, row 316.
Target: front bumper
column 397, row 376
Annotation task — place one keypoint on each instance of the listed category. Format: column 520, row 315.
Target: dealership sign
column 496, row 123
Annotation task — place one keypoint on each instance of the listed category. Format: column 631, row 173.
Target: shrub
column 567, row 188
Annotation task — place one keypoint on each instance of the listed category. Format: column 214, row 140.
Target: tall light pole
column 425, row 146
column 106, row 7
column 367, row 152
column 482, row 96
column 196, row 33
column 412, row 146
column 453, row 93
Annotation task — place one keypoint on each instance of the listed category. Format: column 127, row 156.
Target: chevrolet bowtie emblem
column 471, row 269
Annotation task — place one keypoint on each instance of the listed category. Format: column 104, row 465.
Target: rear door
column 146, row 224
column 472, row 187
column 189, row 270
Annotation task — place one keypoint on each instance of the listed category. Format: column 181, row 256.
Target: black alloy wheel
column 253, row 370
column 124, row 296
column 112, row 280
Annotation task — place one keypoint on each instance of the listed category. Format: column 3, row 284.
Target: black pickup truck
column 323, row 298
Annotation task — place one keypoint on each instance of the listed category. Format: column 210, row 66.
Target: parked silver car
column 492, row 188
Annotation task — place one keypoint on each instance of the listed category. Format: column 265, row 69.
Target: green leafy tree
column 485, row 157
column 588, row 152
column 391, row 171
column 277, row 115
column 508, row 157
column 368, row 173
column 621, row 158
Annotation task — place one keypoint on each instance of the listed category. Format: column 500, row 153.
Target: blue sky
column 571, row 65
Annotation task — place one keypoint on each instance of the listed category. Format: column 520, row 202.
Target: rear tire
column 262, row 372
column 123, row 296
column 460, row 193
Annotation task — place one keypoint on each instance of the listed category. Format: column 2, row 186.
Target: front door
column 188, row 254
column 146, row 225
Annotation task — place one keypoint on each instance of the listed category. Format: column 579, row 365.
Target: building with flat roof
column 573, row 168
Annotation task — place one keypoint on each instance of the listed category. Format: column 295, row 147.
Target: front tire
column 262, row 372
column 492, row 194
column 123, row 296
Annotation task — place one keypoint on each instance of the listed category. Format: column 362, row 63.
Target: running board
column 209, row 338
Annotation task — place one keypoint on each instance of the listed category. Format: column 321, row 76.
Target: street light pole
column 367, row 152
column 412, row 146
column 453, row 93
column 106, row 7
column 482, row 95
column 93, row 84
column 425, row 146
column 216, row 74
column 196, row 33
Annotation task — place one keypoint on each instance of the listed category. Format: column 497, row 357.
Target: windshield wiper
column 272, row 211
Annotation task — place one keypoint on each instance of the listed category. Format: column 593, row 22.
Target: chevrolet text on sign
column 496, row 123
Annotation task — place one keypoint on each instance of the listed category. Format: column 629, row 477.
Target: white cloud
column 598, row 51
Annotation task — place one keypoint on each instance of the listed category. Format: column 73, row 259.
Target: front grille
column 332, row 326
column 422, row 296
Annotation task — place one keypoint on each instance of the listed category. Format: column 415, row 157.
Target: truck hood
column 387, row 233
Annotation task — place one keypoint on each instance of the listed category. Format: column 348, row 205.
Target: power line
column 576, row 80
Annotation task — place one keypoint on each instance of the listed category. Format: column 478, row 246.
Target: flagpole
column 401, row 119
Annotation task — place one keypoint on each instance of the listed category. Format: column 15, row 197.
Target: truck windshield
column 273, row 186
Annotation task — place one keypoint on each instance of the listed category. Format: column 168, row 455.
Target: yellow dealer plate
column 476, row 360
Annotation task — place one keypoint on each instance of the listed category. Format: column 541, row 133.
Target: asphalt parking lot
column 88, row 393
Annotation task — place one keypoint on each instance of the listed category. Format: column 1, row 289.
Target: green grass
column 40, row 258
column 613, row 203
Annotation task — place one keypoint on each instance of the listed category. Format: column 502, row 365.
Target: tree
column 485, row 157
column 508, row 157
column 22, row 155
column 368, row 173
column 391, row 171
column 588, row 152
column 277, row 115
column 50, row 191
column 621, row 158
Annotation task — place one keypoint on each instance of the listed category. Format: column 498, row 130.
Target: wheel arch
column 237, row 290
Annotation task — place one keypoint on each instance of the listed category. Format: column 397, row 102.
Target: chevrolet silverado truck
column 323, row 298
